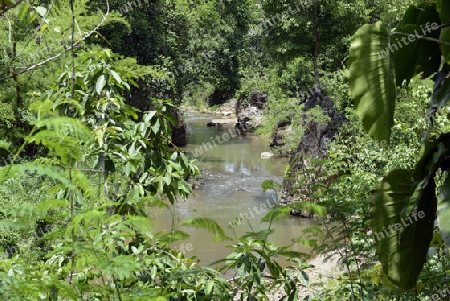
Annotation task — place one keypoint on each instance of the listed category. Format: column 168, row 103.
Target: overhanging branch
column 5, row 8
column 52, row 58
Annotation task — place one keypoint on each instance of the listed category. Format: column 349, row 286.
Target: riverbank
column 323, row 268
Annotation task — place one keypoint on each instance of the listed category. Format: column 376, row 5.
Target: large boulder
column 249, row 118
column 227, row 109
column 312, row 145
column 258, row 99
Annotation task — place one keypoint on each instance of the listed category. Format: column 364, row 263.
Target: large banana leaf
column 372, row 79
column 402, row 241
column 403, row 56
column 417, row 55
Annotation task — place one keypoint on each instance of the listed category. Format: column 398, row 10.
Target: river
column 229, row 186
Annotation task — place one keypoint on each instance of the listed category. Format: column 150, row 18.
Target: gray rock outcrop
column 313, row 144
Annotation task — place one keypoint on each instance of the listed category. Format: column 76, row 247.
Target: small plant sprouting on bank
column 256, row 260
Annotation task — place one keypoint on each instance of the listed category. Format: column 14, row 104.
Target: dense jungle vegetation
column 91, row 91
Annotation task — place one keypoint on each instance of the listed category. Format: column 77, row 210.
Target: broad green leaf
column 402, row 242
column 372, row 79
column 427, row 54
column 293, row 296
column 443, row 8
column 174, row 156
column 43, row 28
column 32, row 15
column 410, row 16
column 404, row 51
column 148, row 116
column 208, row 287
column 444, row 212
column 207, row 224
column 432, row 156
column 116, row 76
column 101, row 82
column 441, row 92
column 23, row 11
column 156, row 126
column 41, row 11
column 4, row 144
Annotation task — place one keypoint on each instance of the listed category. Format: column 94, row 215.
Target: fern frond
column 207, row 224
column 275, row 214
column 52, row 172
column 65, row 126
column 25, row 211
column 7, row 225
column 139, row 224
column 65, row 147
column 82, row 182
column 52, row 204
column 173, row 236
column 82, row 222
column 47, row 161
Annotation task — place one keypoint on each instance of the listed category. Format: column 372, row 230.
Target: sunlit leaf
column 42, row 11
column 372, row 79
column 101, row 82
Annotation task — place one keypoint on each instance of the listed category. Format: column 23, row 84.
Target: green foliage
column 403, row 193
column 198, row 95
column 6, row 116
column 90, row 153
column 345, row 182
column 109, row 233
column 101, row 173
column 333, row 21
column 254, row 258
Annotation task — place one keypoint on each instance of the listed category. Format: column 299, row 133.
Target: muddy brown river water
column 229, row 187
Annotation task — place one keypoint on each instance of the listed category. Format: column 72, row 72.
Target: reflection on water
column 231, row 177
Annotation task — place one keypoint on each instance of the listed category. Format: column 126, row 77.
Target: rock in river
column 267, row 155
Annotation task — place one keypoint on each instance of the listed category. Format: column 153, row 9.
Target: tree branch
column 6, row 7
column 52, row 58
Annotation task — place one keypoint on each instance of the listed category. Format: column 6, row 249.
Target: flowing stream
column 229, row 187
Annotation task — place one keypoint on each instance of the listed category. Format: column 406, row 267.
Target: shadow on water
column 230, row 187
